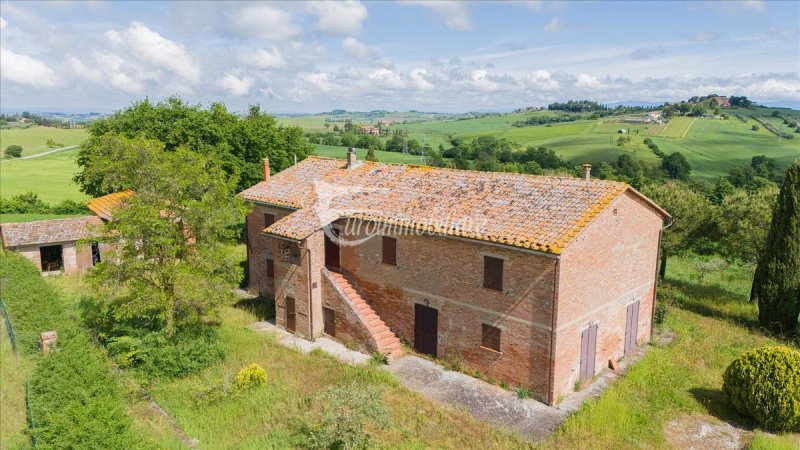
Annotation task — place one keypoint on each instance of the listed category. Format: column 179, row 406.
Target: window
column 493, row 273
column 269, row 219
column 95, row 253
column 270, row 268
column 389, row 250
column 490, row 337
column 290, row 252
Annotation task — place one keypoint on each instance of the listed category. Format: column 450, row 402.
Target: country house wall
column 609, row 265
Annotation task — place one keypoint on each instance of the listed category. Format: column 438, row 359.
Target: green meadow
column 34, row 139
column 49, row 176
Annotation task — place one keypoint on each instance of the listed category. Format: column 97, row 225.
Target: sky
column 445, row 56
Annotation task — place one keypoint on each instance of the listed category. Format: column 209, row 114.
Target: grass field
column 49, row 176
column 677, row 127
column 13, row 420
column 34, row 139
column 332, row 151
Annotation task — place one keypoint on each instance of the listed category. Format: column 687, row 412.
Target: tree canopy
column 239, row 144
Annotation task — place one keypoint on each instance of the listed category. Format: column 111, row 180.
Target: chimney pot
column 352, row 158
column 587, row 171
column 266, row 169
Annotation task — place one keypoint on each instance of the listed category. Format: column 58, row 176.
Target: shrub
column 764, row 384
column 524, row 392
column 188, row 351
column 251, row 376
column 378, row 359
column 343, row 415
column 13, row 151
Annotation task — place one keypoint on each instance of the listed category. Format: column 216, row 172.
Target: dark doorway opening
column 426, row 329
column 332, row 250
column 95, row 253
column 52, row 257
column 329, row 321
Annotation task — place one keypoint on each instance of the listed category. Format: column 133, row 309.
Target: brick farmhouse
column 63, row 245
column 537, row 281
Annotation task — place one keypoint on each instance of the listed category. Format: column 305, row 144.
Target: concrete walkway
column 482, row 400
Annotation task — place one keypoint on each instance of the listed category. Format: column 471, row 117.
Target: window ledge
column 490, row 350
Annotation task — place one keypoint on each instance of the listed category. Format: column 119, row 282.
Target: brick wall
column 447, row 274
column 609, row 265
column 77, row 257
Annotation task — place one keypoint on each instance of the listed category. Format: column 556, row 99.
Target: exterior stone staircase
column 386, row 341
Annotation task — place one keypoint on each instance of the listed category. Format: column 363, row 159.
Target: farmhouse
column 537, row 281
column 63, row 245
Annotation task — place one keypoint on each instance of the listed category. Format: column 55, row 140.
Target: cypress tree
column 371, row 155
column 776, row 284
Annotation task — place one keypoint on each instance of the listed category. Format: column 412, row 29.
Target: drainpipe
column 655, row 282
column 554, row 309
column 310, row 308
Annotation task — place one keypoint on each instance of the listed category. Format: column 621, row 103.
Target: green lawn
column 34, row 139
column 332, row 151
column 49, row 176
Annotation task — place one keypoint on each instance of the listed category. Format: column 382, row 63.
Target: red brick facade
column 546, row 302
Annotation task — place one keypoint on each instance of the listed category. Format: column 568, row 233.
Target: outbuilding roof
column 104, row 206
column 54, row 231
column 533, row 212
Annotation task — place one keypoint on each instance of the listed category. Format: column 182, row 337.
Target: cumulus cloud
column 339, row 17
column 263, row 59
column 455, row 14
column 236, row 86
column 356, row 49
column 25, row 70
column 647, row 52
column 3, row 23
column 264, row 21
column 151, row 48
column 554, row 25
column 540, row 79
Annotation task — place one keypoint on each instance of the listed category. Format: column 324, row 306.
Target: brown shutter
column 269, row 219
column 491, row 337
column 493, row 273
column 389, row 250
column 270, row 268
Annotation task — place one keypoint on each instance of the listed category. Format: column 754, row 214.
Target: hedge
column 75, row 399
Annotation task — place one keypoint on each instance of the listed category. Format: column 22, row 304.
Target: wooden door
column 632, row 327
column 291, row 315
column 588, row 352
column 332, row 250
column 426, row 329
column 329, row 321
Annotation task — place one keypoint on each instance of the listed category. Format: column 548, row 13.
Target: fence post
column 30, row 416
column 11, row 335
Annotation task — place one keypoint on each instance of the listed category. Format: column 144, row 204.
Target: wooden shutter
column 269, row 219
column 270, row 268
column 491, row 337
column 493, row 273
column 389, row 250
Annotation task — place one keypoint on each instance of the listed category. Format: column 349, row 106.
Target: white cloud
column 754, row 5
column 589, row 82
column 339, row 17
column 22, row 69
column 481, row 81
column 263, row 59
column 554, row 25
column 540, row 79
column 234, row 85
column 418, row 79
column 3, row 23
column 357, row 50
column 152, row 48
column 266, row 22
column 455, row 14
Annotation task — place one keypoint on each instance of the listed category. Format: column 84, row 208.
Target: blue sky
column 425, row 55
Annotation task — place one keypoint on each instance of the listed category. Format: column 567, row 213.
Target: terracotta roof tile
column 534, row 212
column 104, row 206
column 49, row 231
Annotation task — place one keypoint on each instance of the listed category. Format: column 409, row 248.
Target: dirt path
column 55, row 150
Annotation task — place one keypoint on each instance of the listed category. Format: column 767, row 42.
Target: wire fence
column 13, row 338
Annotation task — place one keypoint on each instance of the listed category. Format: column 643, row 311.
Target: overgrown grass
column 13, row 420
column 272, row 416
column 685, row 377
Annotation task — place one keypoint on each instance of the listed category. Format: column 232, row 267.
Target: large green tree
column 173, row 265
column 239, row 143
column 693, row 217
column 744, row 221
column 776, row 284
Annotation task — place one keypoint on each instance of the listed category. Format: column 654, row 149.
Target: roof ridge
column 88, row 216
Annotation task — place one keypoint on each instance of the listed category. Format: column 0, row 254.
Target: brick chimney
column 352, row 159
column 266, row 169
column 587, row 171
